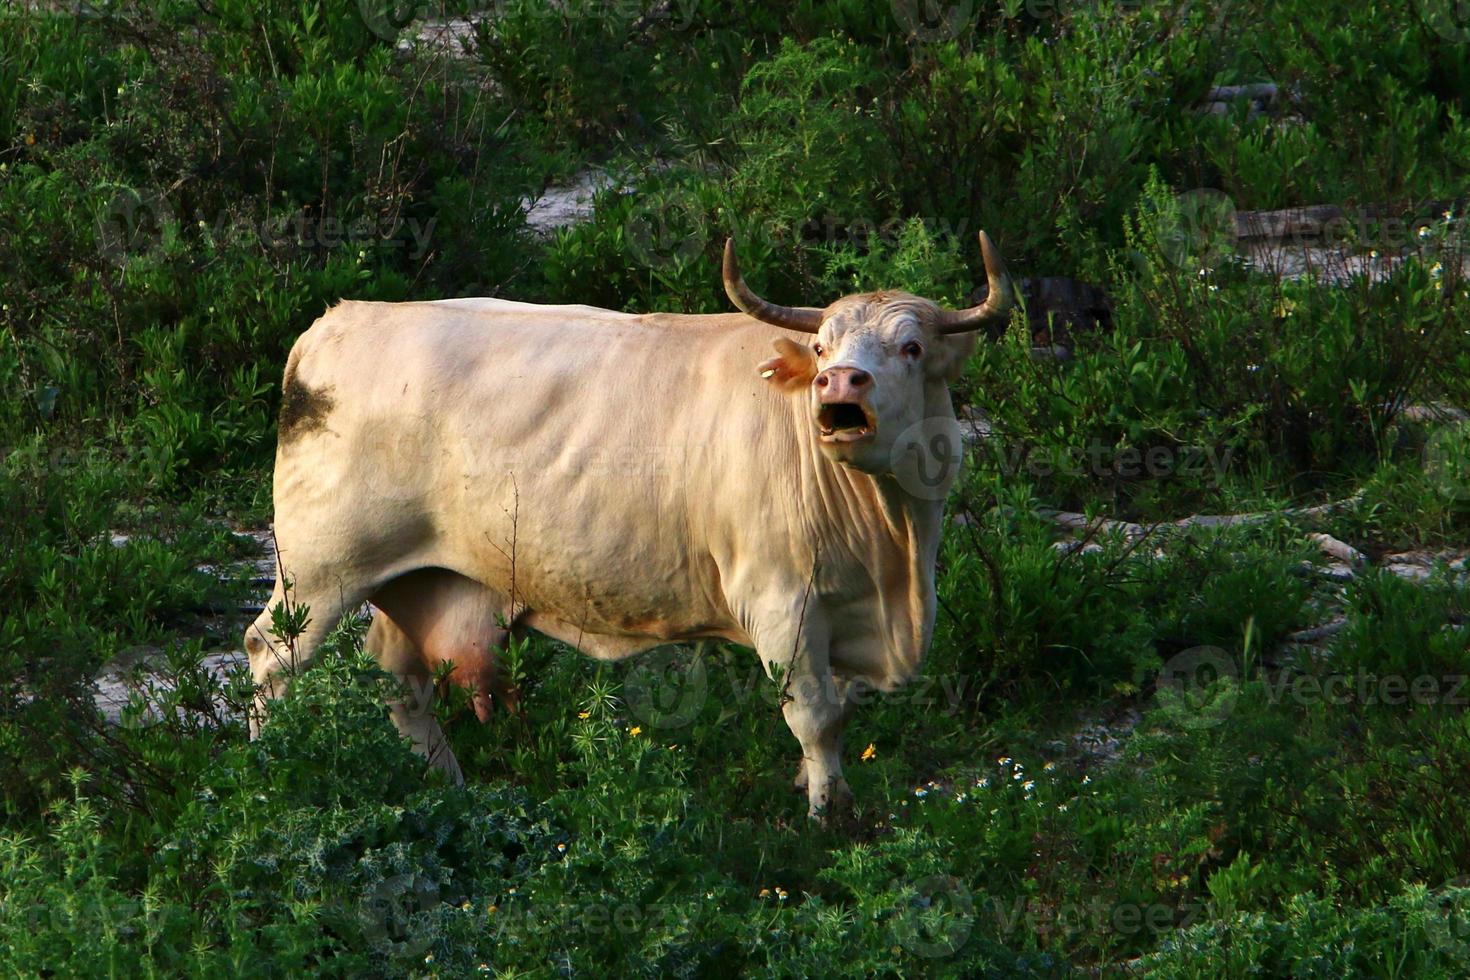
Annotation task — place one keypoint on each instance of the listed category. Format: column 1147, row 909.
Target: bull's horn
column 997, row 306
column 790, row 317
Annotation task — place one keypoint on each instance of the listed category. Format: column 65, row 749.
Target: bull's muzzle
column 843, row 415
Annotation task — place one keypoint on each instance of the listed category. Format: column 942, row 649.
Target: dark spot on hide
column 303, row 410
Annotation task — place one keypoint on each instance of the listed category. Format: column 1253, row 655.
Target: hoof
column 836, row 809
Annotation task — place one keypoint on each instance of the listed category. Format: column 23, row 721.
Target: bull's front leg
column 845, row 689
column 814, row 704
column 815, row 711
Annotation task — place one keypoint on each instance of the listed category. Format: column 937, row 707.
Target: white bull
column 621, row 481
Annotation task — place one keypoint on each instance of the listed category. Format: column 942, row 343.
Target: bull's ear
column 958, row 349
column 794, row 366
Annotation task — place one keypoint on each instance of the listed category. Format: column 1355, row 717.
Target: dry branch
column 1081, row 522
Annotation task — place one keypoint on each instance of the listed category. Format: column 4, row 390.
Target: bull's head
column 879, row 363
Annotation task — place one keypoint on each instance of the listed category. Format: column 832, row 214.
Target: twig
column 1318, row 632
column 796, row 640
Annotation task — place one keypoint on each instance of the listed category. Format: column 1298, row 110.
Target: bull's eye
column 818, row 349
column 913, row 349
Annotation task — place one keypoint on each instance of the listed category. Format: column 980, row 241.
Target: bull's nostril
column 822, row 380
column 860, row 378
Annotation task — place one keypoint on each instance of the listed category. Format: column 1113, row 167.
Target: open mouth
column 844, row 422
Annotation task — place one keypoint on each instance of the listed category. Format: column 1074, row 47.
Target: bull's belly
column 613, row 620
column 607, row 643
column 455, row 620
column 609, row 606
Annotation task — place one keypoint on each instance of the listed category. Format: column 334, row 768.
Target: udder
column 446, row 618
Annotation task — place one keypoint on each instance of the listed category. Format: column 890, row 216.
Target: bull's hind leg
column 273, row 658
column 413, row 712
